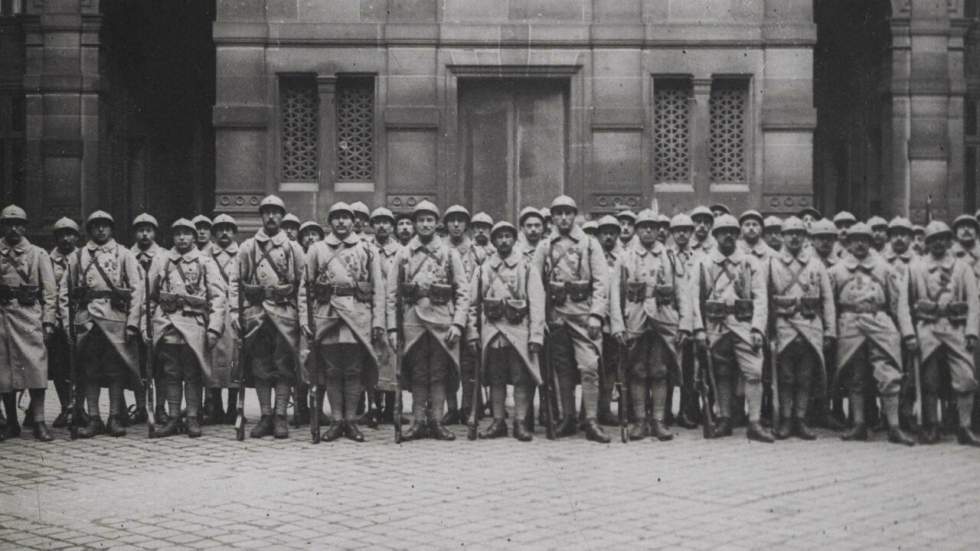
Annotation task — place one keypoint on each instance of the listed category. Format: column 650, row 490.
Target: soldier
column 879, row 233
column 627, row 227
column 843, row 220
column 404, row 227
column 809, row 215
column 344, row 274
column 309, row 233
column 146, row 249
column 703, row 221
column 656, row 311
column 66, row 236
column 546, row 214
column 290, row 226
column 919, row 243
column 429, row 277
column 824, row 238
column 730, row 324
column 187, row 312
column 362, row 219
column 225, row 363
column 718, row 209
column 202, row 228
column 609, row 234
column 590, row 228
column 772, row 233
column 573, row 266
column 27, row 305
column 531, row 223
column 481, row 225
column 663, row 228
column 508, row 305
column 751, row 241
column 271, row 270
column 947, row 307
column 386, row 247
column 804, row 326
column 900, row 256
column 966, row 247
column 457, row 220
column 873, row 324
column 103, row 279
column 685, row 266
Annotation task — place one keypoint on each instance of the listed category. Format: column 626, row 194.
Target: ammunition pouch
column 27, row 295
column 784, row 307
column 579, row 290
column 281, row 294
column 664, row 295
column 557, row 293
column 79, row 295
column 6, row 295
column 716, row 310
column 409, row 292
column 515, row 310
column 636, row 291
column 926, row 310
column 957, row 312
column 119, row 299
column 493, row 309
column 860, row 308
column 364, row 292
column 440, row 293
column 743, row 309
column 171, row 303
column 253, row 293
column 322, row 292
column 810, row 307
column 344, row 289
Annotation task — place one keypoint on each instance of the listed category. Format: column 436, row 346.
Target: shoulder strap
column 265, row 256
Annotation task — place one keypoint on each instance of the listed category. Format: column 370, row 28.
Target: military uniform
column 646, row 281
column 345, row 278
column 507, row 318
column 828, row 408
column 386, row 253
column 188, row 301
column 804, row 315
column 762, row 252
column 225, row 363
column 271, row 270
column 103, row 282
column 145, row 258
column 609, row 358
column 59, row 370
column 970, row 255
column 434, row 292
column 902, row 262
column 685, row 267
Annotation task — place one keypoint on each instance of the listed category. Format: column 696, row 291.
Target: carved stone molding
column 786, row 203
column 407, row 201
column 614, row 202
column 237, row 202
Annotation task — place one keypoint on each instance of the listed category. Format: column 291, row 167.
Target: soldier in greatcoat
column 609, row 231
column 480, row 226
column 507, row 328
column 104, row 285
column 966, row 247
column 429, row 282
column 685, row 267
column 202, row 231
column 752, row 228
column 225, row 363
column 27, row 307
column 271, row 269
column 145, row 228
column 66, row 235
column 386, row 247
column 290, row 226
column 772, row 233
column 898, row 252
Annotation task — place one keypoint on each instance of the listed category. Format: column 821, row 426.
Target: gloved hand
column 534, row 348
column 393, row 339
column 453, row 335
column 212, row 339
column 132, row 335
column 757, row 341
column 911, row 343
column 595, row 327
column 377, row 335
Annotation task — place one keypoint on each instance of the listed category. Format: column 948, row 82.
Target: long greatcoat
column 23, row 356
column 386, row 356
column 942, row 281
column 224, row 355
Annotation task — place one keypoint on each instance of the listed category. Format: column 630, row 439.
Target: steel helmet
column 13, row 212
column 272, row 201
column 145, row 218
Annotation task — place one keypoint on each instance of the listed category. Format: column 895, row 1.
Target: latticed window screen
column 299, row 127
column 729, row 99
column 671, row 134
column 355, row 129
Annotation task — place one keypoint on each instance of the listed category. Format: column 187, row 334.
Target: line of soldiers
column 756, row 321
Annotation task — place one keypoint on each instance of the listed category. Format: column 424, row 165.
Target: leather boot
column 262, row 428
column 352, row 432
column 12, row 428
column 801, row 430
column 594, row 432
column 170, row 428
column 857, row 433
column 93, row 428
column 440, row 432
column 897, row 436
column 637, row 431
column 759, row 433
column 138, row 416
column 966, row 437
column 929, row 434
column 568, row 426
column 28, row 419
column 606, row 418
column 684, row 419
column 160, row 415
column 280, row 427
column 659, row 430
column 497, row 429
column 61, row 421
column 521, row 433
column 301, row 413
column 451, row 417
column 115, row 426
column 415, row 432
column 194, row 426
column 42, row 434
column 784, row 429
column 723, row 428
column 334, row 431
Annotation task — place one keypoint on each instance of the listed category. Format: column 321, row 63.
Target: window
column 355, row 129
column 729, row 99
column 671, row 130
column 299, row 129
column 12, row 119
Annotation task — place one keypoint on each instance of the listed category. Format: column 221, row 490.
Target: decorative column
column 327, row 89
column 700, row 139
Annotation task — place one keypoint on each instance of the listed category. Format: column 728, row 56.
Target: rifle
column 314, row 361
column 146, row 359
column 914, row 362
column 620, row 370
column 547, row 377
column 774, row 373
column 706, row 384
column 474, row 423
column 399, row 352
column 240, row 402
column 74, row 407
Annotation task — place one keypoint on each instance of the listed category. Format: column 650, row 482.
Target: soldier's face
column 626, row 229
column 564, row 219
column 292, row 231
column 224, row 235
column 341, row 224
column 203, row 234
column 682, row 236
column 726, row 240
column 361, row 222
column 607, row 237
column 966, row 233
column 271, row 219
column 824, row 244
column 406, row 229
column 183, row 240
column 663, row 231
column 425, row 225
column 880, row 237
column 807, row 219
column 66, row 240
column 938, row 245
column 13, row 230
column 702, row 225
column 647, row 234
column 145, row 235
column 503, row 241
column 773, row 238
column 794, row 241
column 456, row 226
column 859, row 246
column 382, row 228
column 481, row 234
column 842, row 228
column 751, row 230
column 533, row 229
column 309, row 237
column 901, row 240
column 100, row 231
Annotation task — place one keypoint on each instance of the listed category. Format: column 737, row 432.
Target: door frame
column 452, row 184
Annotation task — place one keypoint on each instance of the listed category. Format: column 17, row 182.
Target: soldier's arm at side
column 760, row 297
column 829, row 309
column 972, row 300
column 131, row 266
column 475, row 301
column 898, row 280
column 299, row 256
column 63, row 292
column 378, row 298
column 391, row 288
column 682, row 297
column 217, row 298
column 616, row 322
column 535, row 300
column 694, row 291
column 49, row 288
column 600, row 276
column 462, row 290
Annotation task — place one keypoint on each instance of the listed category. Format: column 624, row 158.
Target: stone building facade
column 181, row 106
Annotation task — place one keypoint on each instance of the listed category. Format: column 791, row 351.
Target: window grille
column 729, row 99
column 672, row 115
column 299, row 128
column 355, row 129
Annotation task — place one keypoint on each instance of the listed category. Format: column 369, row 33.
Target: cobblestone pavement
column 134, row 493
